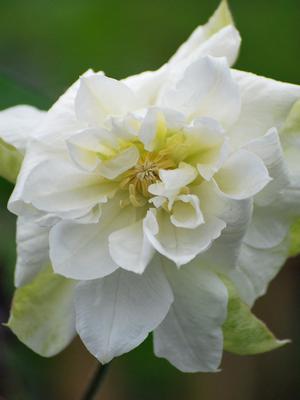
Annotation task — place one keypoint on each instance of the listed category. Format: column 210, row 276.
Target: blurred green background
column 44, row 46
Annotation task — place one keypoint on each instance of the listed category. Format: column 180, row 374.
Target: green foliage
column 244, row 334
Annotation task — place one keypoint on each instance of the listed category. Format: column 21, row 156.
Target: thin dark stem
column 96, row 382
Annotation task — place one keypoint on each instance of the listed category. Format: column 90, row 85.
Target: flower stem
column 96, row 382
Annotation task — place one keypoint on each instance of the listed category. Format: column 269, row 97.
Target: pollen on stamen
column 142, row 175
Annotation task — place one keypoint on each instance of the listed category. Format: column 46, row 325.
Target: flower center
column 146, row 172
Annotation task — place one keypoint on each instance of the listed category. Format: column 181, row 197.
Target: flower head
column 146, row 190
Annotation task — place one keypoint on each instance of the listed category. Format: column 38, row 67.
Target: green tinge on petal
column 221, row 18
column 292, row 123
column 42, row 314
column 10, row 161
column 294, row 249
column 244, row 334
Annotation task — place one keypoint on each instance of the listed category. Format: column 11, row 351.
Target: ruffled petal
column 266, row 103
column 100, row 97
column 206, row 89
column 59, row 187
column 179, row 244
column 18, row 125
column 186, row 212
column 130, row 248
column 269, row 149
column 80, row 251
column 115, row 314
column 32, row 251
column 256, row 268
column 190, row 337
column 242, row 175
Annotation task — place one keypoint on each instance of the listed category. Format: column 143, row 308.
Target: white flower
column 144, row 190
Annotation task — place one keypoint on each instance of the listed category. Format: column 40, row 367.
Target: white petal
column 268, row 148
column 18, row 124
column 217, row 37
column 207, row 89
column 58, row 186
column 265, row 104
column 269, row 226
column 114, row 167
column 130, row 248
column 179, row 244
column 179, row 177
column 210, row 147
column 35, row 154
column 186, row 212
column 243, row 175
column 61, row 122
column 257, row 267
column 32, row 251
column 224, row 252
column 80, row 251
column 99, row 97
column 190, row 337
column 43, row 314
column 85, row 146
column 115, row 314
column 146, row 85
column 172, row 181
column 156, row 124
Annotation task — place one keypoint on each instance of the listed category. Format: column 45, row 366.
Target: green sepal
column 245, row 334
column 294, row 249
column 10, row 161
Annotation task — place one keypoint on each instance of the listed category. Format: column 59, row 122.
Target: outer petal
column 80, row 251
column 265, row 104
column 224, row 252
column 58, row 186
column 206, row 89
column 190, row 337
column 32, row 251
column 18, row 124
column 35, row 154
column 269, row 226
column 99, row 97
column 179, row 244
column 290, row 136
column 242, row 175
column 218, row 38
column 269, row 149
column 43, row 314
column 256, row 268
column 60, row 121
column 130, row 248
column 116, row 313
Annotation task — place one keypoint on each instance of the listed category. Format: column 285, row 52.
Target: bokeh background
column 44, row 46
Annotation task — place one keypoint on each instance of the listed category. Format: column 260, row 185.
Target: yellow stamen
column 143, row 174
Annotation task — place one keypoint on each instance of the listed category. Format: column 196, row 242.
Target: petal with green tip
column 10, row 161
column 42, row 314
column 244, row 334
